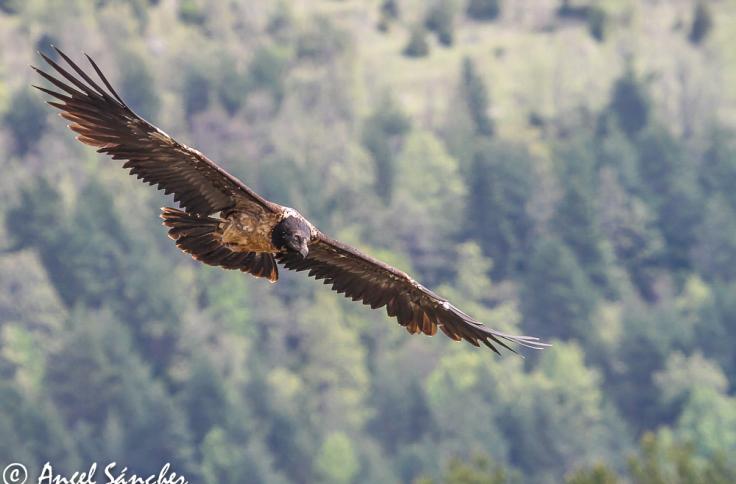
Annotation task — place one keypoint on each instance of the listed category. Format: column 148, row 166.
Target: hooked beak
column 304, row 251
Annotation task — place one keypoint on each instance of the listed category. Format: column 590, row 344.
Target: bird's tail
column 202, row 238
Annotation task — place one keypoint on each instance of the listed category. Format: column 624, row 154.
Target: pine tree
column 440, row 19
column 597, row 22
column 196, row 91
column 630, row 103
column 702, row 23
column 497, row 217
column 383, row 134
column 557, row 298
column 474, row 92
column 138, row 86
column 484, row 9
column 25, row 119
column 390, row 8
column 204, row 399
column 576, row 218
column 417, row 45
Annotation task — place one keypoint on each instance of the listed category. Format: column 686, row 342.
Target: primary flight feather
column 222, row 222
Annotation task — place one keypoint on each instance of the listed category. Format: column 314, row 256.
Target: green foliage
column 22, row 416
column 679, row 218
column 440, row 19
column 683, row 375
column 717, row 172
column 576, row 212
column 322, row 41
column 25, row 120
column 630, row 227
column 96, row 377
column 573, row 10
column 34, row 219
column 708, row 419
column 383, row 134
column 192, row 12
column 138, row 87
column 557, row 293
column 44, row 43
column 336, row 462
column 281, row 23
column 225, row 461
column 484, row 10
column 497, row 216
column 702, row 23
column 630, row 103
column 714, row 251
column 233, row 88
column 607, row 228
column 598, row 474
column 9, row 6
column 390, row 8
column 196, row 91
column 597, row 23
column 266, row 71
column 663, row 461
column 417, row 46
column 475, row 95
column 204, row 399
column 479, row 471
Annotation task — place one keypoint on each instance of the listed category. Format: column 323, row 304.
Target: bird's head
column 292, row 234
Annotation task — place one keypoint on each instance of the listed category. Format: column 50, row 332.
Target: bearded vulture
column 222, row 222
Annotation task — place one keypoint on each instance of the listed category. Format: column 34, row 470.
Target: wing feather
column 102, row 119
column 361, row 277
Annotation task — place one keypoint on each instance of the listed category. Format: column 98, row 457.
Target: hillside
column 557, row 168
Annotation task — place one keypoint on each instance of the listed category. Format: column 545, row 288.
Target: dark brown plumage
column 225, row 223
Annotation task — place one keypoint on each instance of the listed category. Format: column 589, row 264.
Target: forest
column 559, row 168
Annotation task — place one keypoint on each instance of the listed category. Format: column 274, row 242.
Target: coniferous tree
column 484, row 9
column 390, row 8
column 499, row 190
column 138, row 86
column 557, row 298
column 266, row 71
column 702, row 23
column 388, row 13
column 630, row 103
column 205, row 399
column 196, row 91
column 32, row 223
column 233, row 88
column 576, row 217
column 664, row 459
column 717, row 172
column 417, row 46
column 597, row 23
column 475, row 96
column 383, row 133
column 440, row 19
column 25, row 120
column 714, row 252
column 192, row 12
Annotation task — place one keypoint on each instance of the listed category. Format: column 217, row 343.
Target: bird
column 223, row 222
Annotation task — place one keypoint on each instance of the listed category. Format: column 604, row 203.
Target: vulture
column 223, row 222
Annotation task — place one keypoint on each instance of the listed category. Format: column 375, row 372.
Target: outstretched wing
column 103, row 120
column 363, row 278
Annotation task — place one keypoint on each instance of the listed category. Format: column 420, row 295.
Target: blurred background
column 565, row 169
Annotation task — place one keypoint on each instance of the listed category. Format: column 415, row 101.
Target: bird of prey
column 222, row 222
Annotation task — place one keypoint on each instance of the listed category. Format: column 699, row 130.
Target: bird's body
column 246, row 231
column 223, row 222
